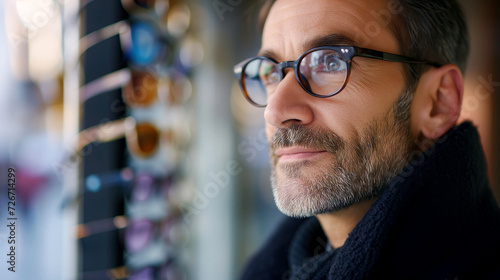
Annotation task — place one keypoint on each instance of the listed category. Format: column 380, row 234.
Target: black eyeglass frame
column 347, row 52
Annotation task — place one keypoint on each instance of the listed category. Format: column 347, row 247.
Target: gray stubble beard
column 360, row 169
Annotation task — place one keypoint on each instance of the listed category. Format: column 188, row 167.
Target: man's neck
column 338, row 225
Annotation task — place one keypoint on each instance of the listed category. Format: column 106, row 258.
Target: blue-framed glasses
column 321, row 72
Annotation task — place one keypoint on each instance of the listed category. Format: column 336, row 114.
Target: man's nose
column 288, row 104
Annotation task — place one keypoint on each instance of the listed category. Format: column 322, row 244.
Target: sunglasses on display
column 96, row 182
column 151, row 58
column 173, row 16
column 143, row 43
column 151, row 243
column 150, row 231
column 150, row 246
column 139, row 233
column 148, row 198
column 141, row 88
column 143, row 139
column 101, row 226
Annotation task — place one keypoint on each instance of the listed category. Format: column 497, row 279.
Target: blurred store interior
column 136, row 155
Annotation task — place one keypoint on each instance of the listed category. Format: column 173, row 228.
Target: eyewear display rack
column 136, row 59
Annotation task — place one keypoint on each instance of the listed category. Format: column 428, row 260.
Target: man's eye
column 273, row 77
column 270, row 75
column 332, row 63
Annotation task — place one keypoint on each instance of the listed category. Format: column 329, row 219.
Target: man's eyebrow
column 268, row 54
column 328, row 40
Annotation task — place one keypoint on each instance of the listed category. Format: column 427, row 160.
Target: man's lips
column 297, row 153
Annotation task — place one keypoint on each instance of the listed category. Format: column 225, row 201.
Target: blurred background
column 135, row 154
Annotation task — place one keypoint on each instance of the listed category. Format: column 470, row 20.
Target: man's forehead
column 294, row 26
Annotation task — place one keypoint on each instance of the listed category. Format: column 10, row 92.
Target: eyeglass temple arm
column 391, row 57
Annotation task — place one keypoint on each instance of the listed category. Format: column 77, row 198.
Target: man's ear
column 437, row 102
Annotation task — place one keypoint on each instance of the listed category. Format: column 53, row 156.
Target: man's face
column 330, row 153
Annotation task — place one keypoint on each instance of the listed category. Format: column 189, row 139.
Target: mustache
column 299, row 135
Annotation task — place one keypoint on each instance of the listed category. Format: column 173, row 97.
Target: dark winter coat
column 436, row 220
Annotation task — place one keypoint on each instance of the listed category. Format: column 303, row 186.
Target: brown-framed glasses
column 322, row 71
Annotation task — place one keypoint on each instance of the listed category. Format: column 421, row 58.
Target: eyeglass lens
column 321, row 72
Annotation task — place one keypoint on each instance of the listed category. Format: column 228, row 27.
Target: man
column 361, row 105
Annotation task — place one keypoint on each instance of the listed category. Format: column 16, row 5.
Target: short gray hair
column 432, row 30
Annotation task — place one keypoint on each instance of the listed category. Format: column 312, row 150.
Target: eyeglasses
column 322, row 72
